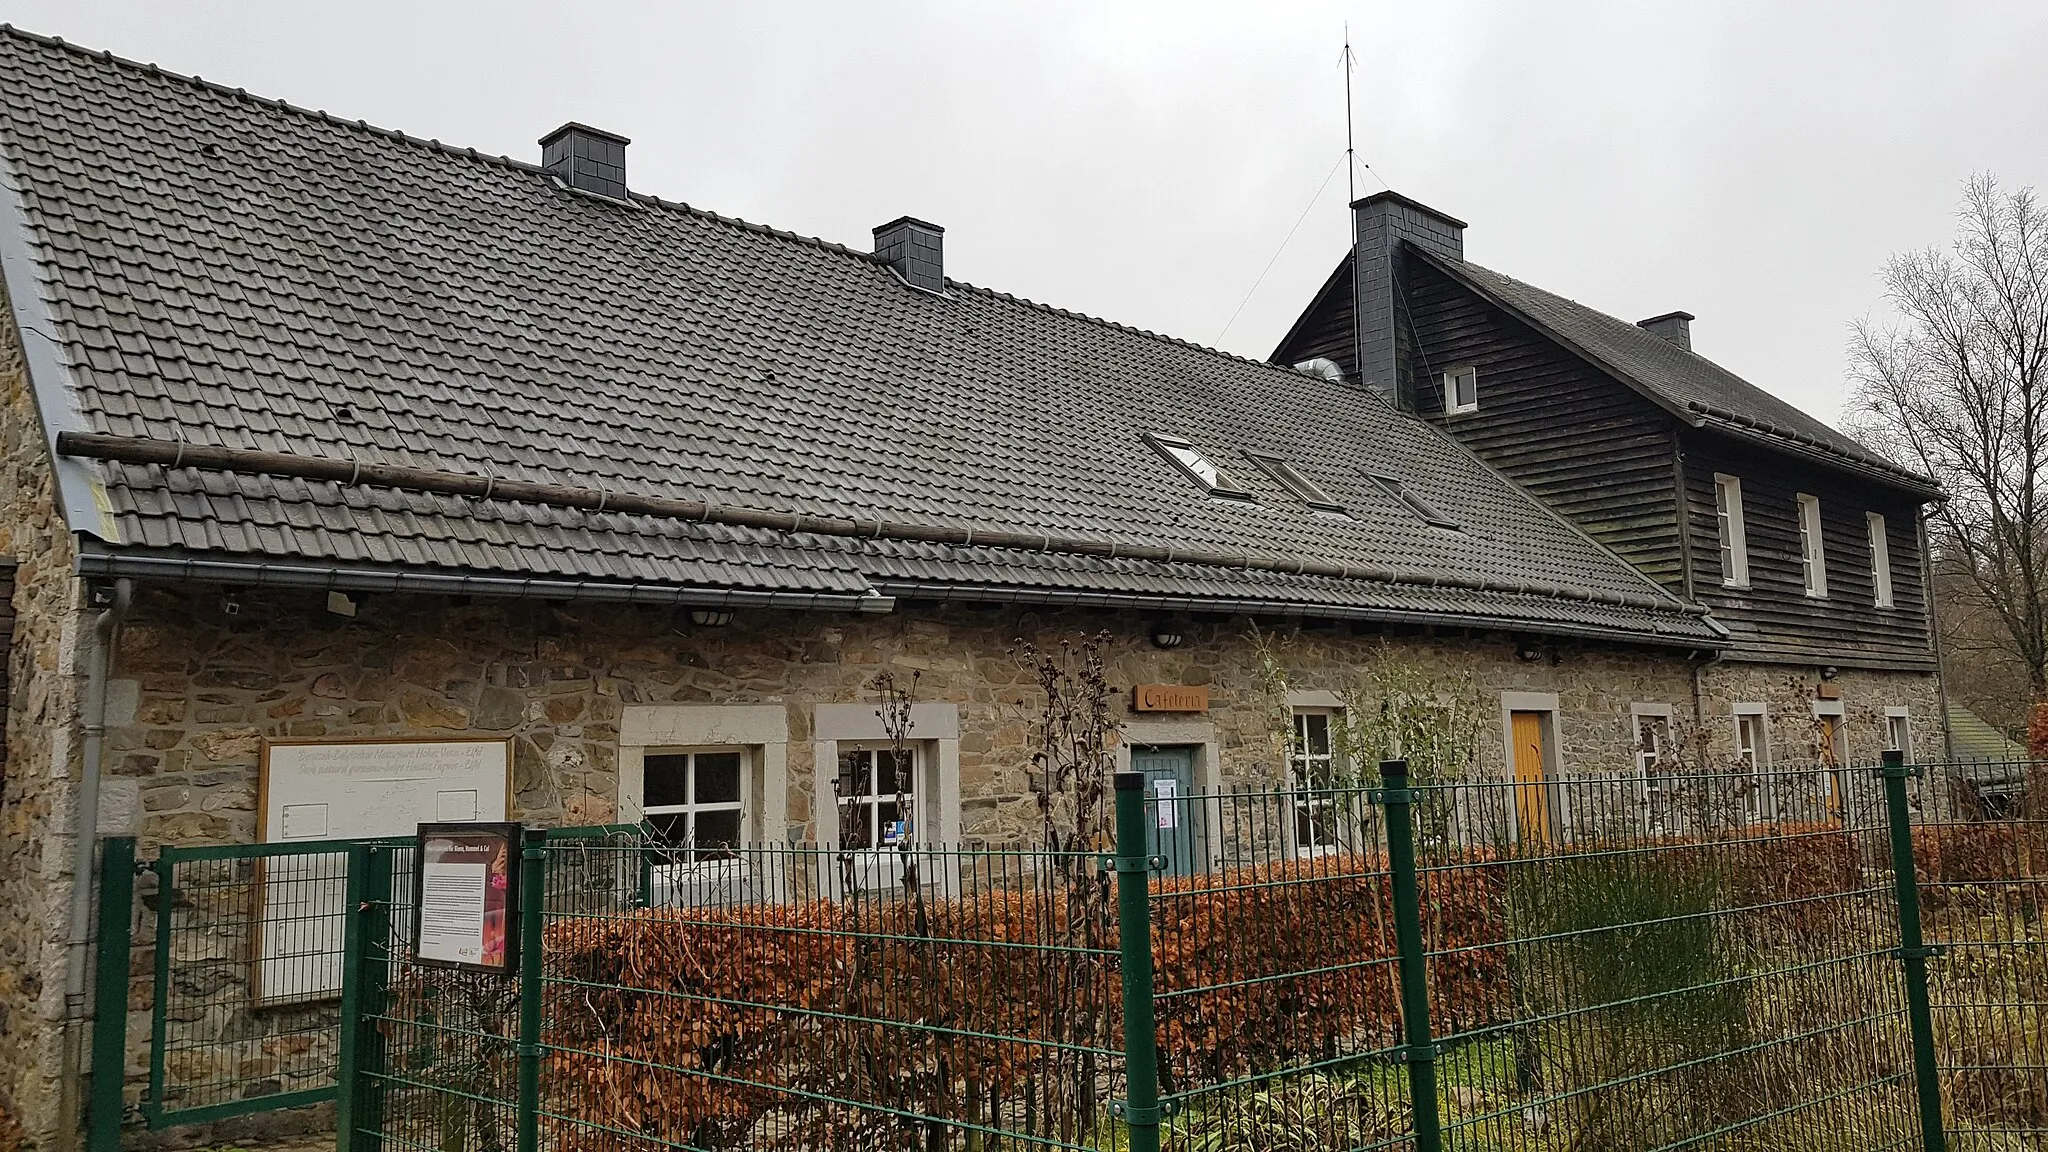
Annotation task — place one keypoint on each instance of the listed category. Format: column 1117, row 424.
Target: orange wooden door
column 1831, row 765
column 1532, row 785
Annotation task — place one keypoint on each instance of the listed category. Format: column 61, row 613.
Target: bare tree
column 1956, row 385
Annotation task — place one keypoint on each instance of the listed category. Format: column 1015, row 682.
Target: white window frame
column 1729, row 526
column 1451, row 379
column 1880, row 559
column 1813, row 552
column 915, row 800
column 744, row 805
column 1199, row 466
column 1756, row 756
column 1302, row 768
column 1650, row 762
column 1898, row 730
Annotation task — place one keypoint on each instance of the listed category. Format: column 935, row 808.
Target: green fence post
column 365, row 973
column 1913, row 951
column 1418, row 1047
column 533, row 872
column 1140, row 1106
column 110, row 994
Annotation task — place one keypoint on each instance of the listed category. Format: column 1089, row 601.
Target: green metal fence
column 1848, row 959
column 247, row 950
column 1982, row 849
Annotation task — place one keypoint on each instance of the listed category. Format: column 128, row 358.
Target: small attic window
column 1198, row 466
column 1423, row 509
column 1289, row 477
column 1461, row 390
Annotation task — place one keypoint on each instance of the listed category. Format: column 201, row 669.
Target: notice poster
column 1165, row 790
column 468, row 911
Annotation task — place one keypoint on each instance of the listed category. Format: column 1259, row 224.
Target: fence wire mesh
column 247, row 950
column 1981, row 847
column 1632, row 962
column 1697, row 962
column 777, row 998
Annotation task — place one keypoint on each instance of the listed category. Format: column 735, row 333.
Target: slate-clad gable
column 232, row 271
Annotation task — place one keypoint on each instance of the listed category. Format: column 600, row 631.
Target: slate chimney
column 587, row 158
column 916, row 250
column 1673, row 326
column 1388, row 223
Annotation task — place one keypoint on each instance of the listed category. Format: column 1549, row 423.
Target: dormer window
column 1289, row 477
column 1199, row 468
column 1461, row 390
column 1423, row 509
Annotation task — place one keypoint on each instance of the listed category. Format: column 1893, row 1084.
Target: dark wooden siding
column 1324, row 330
column 1774, row 618
column 1577, row 439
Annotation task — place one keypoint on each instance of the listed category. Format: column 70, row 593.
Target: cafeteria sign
column 468, row 909
column 1170, row 698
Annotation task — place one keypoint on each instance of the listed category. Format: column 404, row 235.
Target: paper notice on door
column 452, row 913
column 1165, row 791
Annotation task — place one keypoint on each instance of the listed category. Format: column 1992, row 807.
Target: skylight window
column 1199, row 467
column 1423, row 509
column 1289, row 477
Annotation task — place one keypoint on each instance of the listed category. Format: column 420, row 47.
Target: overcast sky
column 1751, row 163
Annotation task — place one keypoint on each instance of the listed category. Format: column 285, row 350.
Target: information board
column 469, row 897
column 351, row 789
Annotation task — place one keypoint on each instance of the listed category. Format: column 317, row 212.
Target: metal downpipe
column 85, row 838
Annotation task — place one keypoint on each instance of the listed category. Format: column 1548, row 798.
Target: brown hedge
column 697, row 1025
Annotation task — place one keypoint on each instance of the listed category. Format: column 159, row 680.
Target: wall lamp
column 711, row 617
column 1166, row 636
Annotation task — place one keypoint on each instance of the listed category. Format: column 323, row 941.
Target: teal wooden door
column 1173, row 817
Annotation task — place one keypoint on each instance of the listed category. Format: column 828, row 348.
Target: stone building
column 320, row 435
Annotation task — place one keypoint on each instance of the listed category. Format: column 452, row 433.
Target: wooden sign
column 1170, row 698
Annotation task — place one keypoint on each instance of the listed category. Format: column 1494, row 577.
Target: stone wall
column 1788, row 692
column 208, row 686
column 41, row 752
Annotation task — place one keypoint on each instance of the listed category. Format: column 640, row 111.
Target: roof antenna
column 1349, row 62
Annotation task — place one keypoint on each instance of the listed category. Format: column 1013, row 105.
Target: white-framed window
column 1289, row 477
column 1753, row 754
column 1880, row 560
column 1812, row 552
column 1898, row 731
column 1461, row 390
column 1400, row 492
column 696, row 799
column 1198, row 466
column 878, row 794
column 1653, row 747
column 1728, row 522
column 1312, row 766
